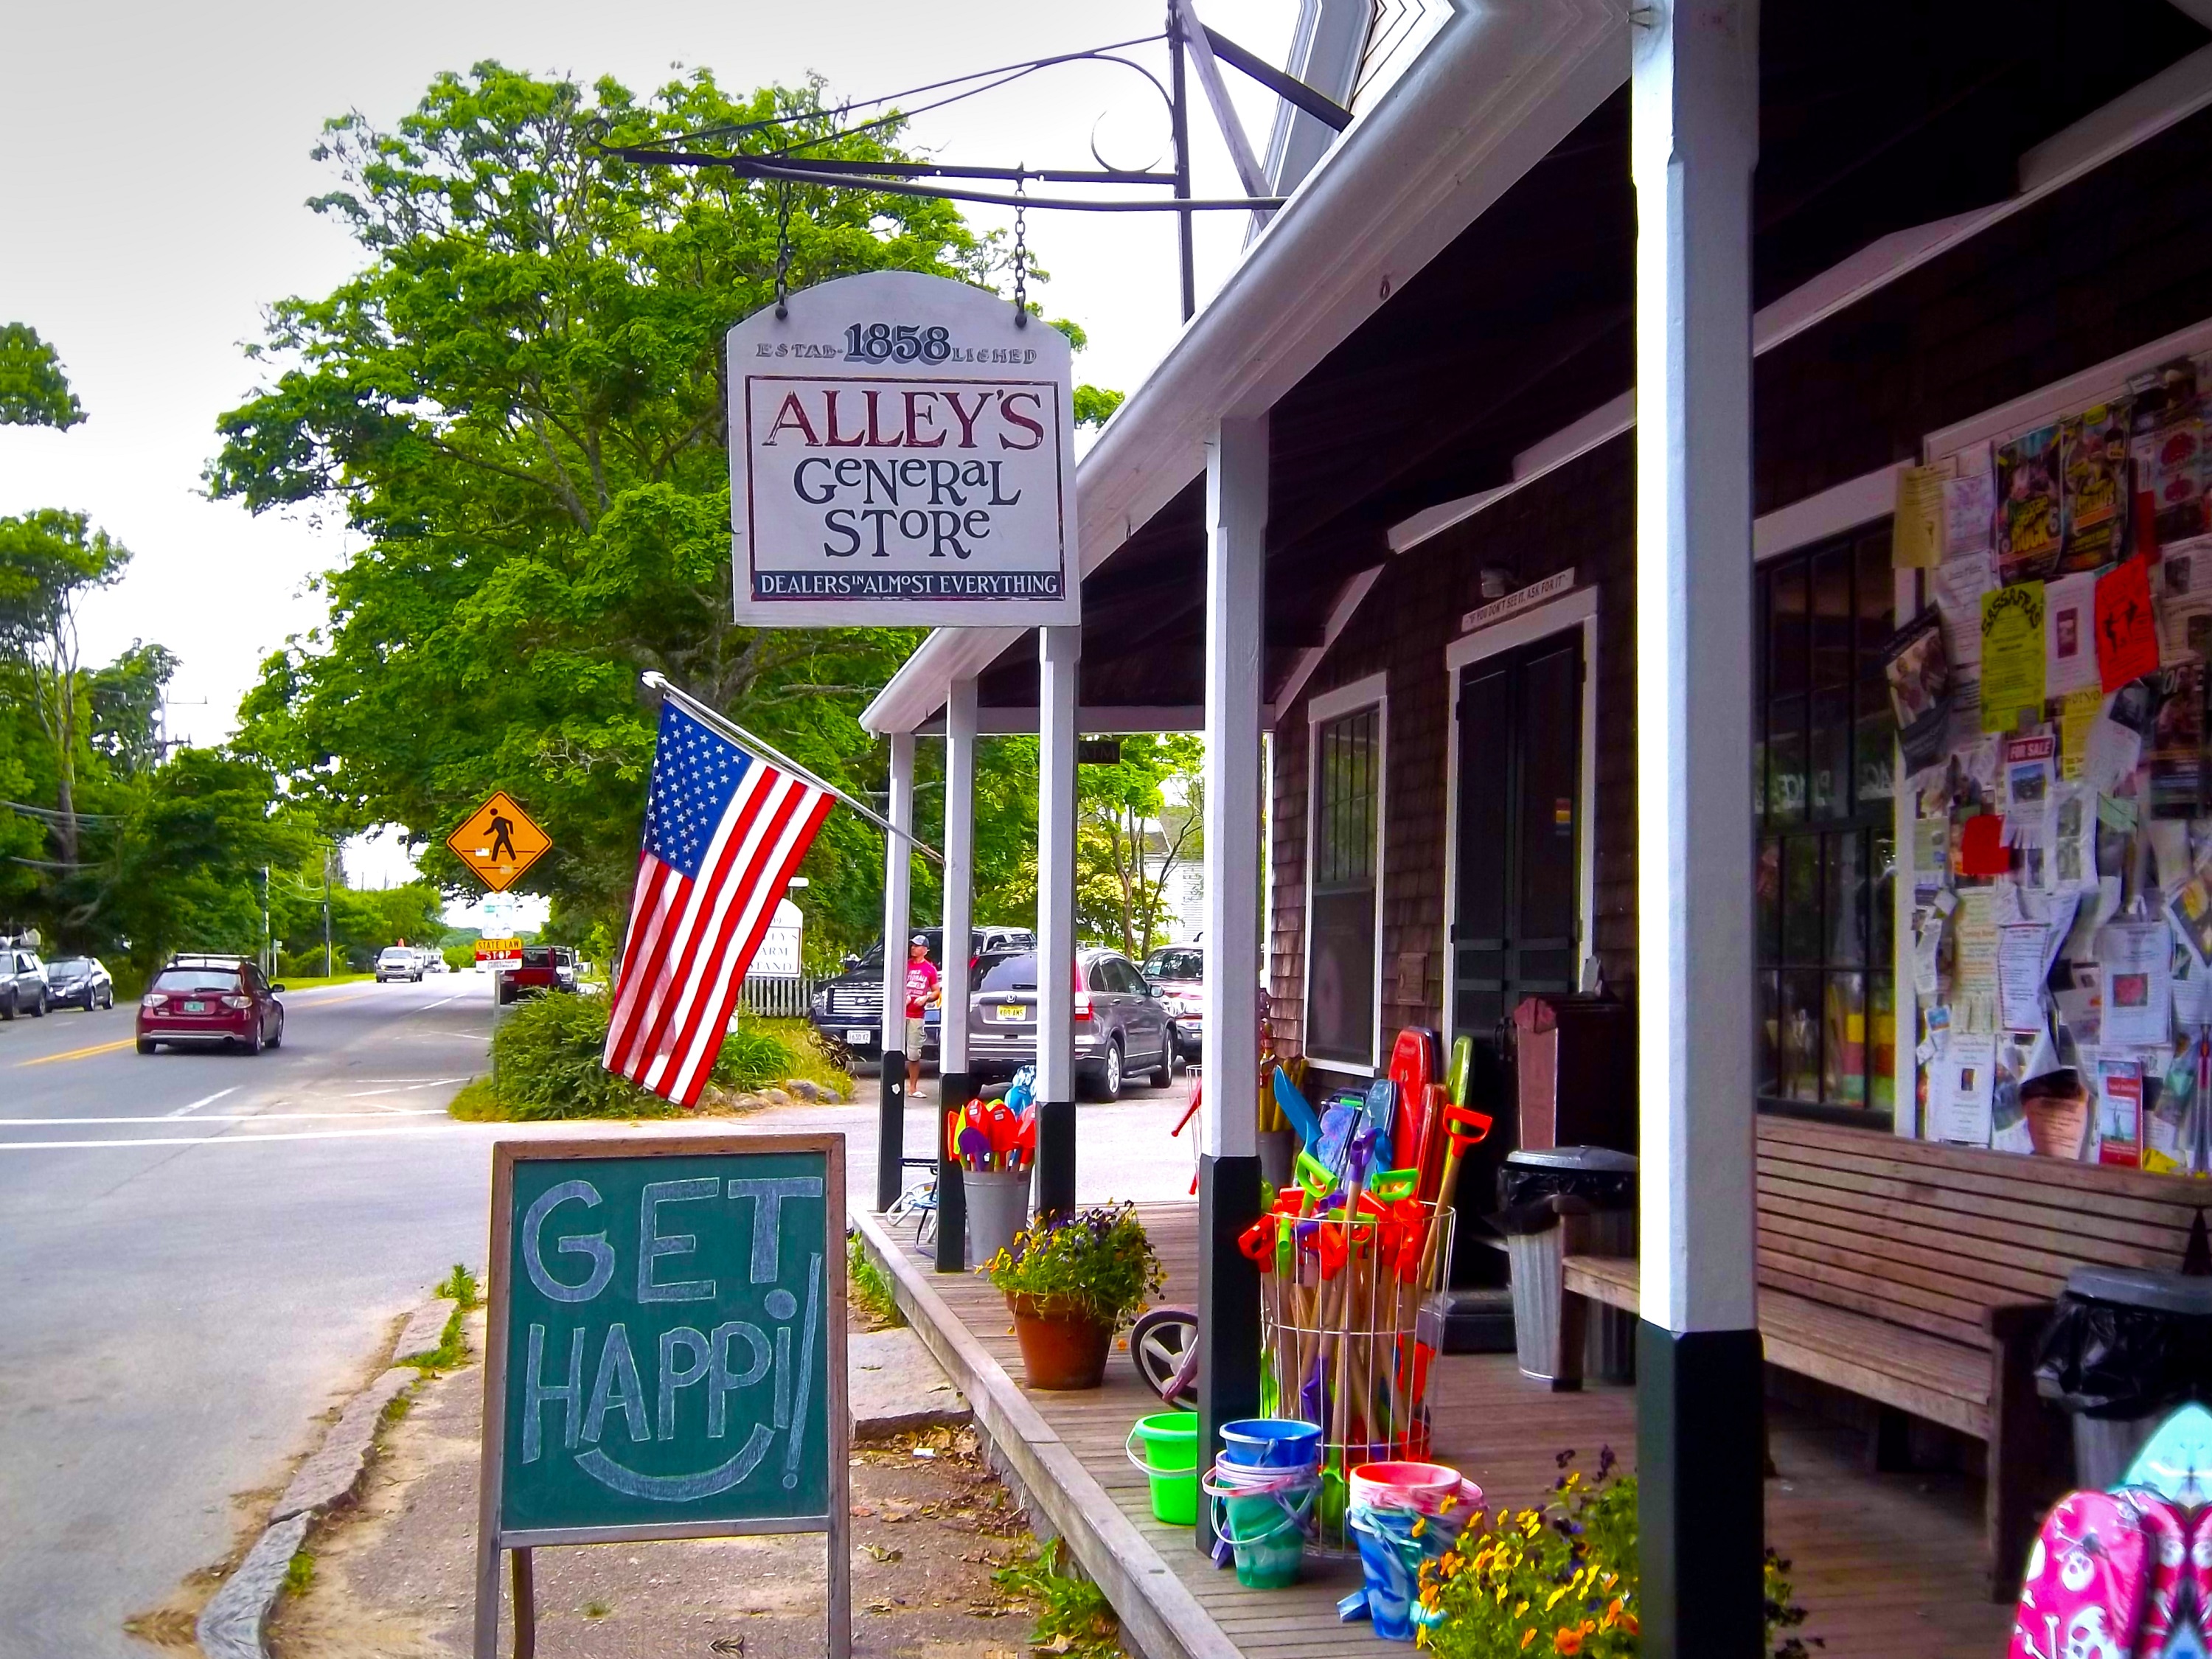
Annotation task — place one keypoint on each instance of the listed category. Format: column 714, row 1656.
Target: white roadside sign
column 902, row 455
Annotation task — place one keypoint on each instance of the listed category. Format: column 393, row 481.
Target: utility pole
column 328, row 971
column 268, row 939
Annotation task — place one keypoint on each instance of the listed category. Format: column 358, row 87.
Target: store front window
column 1345, row 885
column 1823, row 786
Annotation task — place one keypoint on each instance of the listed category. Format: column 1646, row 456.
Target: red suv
column 207, row 999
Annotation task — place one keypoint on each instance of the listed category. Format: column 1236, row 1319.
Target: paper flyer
column 2185, row 599
column 1974, row 962
column 1959, row 1091
column 1927, row 951
column 1917, row 666
column 1969, row 504
column 2028, row 764
column 2189, row 909
column 2127, row 630
column 2069, row 648
column 1958, row 585
column 1915, row 540
column 2075, row 716
column 2137, row 995
column 1932, row 858
column 2028, row 522
column 2119, row 1112
column 2020, row 960
column 2073, row 864
column 2113, row 752
column 2012, row 655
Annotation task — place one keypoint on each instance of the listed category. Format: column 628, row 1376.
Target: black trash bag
column 1540, row 1214
column 2107, row 1360
column 1520, row 1184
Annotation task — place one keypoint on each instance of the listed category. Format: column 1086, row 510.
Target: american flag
column 724, row 830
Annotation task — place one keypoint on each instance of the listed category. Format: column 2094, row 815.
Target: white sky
column 157, row 165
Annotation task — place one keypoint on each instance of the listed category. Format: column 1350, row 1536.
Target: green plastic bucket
column 1170, row 1461
column 1266, row 1533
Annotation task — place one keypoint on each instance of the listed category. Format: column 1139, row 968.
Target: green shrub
column 545, row 1063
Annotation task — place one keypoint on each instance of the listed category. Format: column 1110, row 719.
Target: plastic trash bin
column 2125, row 1347
column 1554, row 1203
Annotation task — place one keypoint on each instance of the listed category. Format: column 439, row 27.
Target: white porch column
column 1060, row 651
column 890, row 1125
column 1695, row 110
column 955, row 1085
column 1228, row 1169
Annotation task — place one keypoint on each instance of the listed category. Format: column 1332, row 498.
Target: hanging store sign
column 902, row 455
column 1526, row 598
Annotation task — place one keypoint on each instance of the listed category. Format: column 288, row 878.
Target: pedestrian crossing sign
column 499, row 840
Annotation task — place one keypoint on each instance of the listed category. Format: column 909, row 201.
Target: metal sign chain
column 782, row 250
column 1021, row 260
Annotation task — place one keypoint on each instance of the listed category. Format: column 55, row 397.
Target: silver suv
column 23, row 983
column 1122, row 1025
column 399, row 962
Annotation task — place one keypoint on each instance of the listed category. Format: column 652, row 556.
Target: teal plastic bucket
column 1170, row 1463
column 1266, row 1534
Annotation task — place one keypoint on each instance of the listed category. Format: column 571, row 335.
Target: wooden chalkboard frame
column 491, row 1540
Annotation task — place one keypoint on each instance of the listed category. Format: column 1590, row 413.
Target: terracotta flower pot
column 1062, row 1347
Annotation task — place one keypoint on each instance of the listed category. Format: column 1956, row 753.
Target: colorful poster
column 2190, row 911
column 2070, row 639
column 2028, row 766
column 1918, row 668
column 2029, row 526
column 2177, row 782
column 2012, row 654
column 2076, row 714
column 2168, row 449
column 2094, row 458
column 2127, row 630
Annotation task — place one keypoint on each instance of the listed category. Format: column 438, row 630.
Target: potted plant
column 1071, row 1282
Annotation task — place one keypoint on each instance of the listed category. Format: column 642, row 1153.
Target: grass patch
column 460, row 1288
column 299, row 1573
column 809, row 1056
column 475, row 1102
column 318, row 981
column 870, row 1289
column 1073, row 1614
column 596, row 1609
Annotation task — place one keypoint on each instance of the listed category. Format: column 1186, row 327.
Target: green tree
column 520, row 403
column 33, row 391
column 50, row 561
column 1137, row 825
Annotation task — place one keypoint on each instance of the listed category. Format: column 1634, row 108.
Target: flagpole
column 730, row 729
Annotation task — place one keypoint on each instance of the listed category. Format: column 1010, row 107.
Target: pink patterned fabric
column 2088, row 1579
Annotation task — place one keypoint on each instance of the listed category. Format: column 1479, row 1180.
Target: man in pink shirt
column 921, row 992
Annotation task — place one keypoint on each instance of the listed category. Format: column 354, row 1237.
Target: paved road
column 204, row 1251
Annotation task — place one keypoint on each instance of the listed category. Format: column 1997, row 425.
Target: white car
column 399, row 962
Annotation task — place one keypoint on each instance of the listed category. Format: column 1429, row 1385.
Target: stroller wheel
column 1163, row 1347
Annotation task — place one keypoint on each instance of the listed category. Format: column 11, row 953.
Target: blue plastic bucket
column 1270, row 1443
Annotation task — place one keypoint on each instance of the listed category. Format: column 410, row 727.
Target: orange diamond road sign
column 499, row 842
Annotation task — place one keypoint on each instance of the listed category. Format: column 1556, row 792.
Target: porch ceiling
column 1875, row 118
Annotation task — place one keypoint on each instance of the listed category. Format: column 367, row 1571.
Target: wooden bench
column 1920, row 1277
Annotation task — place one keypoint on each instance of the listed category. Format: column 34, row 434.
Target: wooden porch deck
column 1889, row 1566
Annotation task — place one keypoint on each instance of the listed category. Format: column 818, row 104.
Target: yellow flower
column 1554, row 1600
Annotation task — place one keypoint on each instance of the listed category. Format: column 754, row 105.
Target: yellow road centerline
column 78, row 1054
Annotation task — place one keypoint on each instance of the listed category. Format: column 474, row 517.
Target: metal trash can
column 1554, row 1203
column 2125, row 1345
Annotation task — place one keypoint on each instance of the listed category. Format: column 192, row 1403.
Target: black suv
column 849, row 1009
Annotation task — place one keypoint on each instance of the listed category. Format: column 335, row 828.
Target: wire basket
column 1345, row 1343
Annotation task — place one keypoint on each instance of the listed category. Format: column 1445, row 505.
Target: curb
column 1159, row 1615
column 234, row 1622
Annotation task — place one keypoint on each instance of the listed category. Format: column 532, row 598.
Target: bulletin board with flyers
column 2051, row 697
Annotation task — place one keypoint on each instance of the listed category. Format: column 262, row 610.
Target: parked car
column 1122, row 1025
column 1178, row 972
column 399, row 962
column 79, row 982
column 23, row 983
column 436, row 963
column 543, row 968
column 197, row 999
column 850, row 1007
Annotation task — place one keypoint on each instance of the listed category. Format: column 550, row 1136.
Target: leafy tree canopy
column 519, row 403
column 33, row 391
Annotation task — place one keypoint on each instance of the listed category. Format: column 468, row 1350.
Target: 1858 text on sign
column 900, row 453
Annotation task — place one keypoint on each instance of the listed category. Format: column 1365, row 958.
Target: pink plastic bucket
column 1427, row 1487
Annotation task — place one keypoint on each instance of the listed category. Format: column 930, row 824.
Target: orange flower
column 1527, row 1636
column 1567, row 1641
column 1628, row 1623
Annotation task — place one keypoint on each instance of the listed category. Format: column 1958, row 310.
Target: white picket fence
column 777, row 997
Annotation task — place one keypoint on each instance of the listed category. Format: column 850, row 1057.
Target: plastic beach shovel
column 1294, row 1107
column 1413, row 1068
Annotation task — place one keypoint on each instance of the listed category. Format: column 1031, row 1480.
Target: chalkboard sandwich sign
column 665, row 1354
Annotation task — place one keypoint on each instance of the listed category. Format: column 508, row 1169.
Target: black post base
column 1228, row 1308
column 1700, row 1460
column 954, row 1091
column 1055, row 1166
column 891, row 1131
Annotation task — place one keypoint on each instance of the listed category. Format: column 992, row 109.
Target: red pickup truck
column 544, row 968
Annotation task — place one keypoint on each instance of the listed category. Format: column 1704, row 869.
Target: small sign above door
column 1513, row 603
